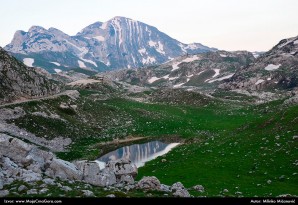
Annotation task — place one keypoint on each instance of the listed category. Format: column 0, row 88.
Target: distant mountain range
column 115, row 44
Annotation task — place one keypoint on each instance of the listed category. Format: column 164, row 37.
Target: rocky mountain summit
column 118, row 43
column 275, row 69
column 18, row 81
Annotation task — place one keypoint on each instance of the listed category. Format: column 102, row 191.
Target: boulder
column 66, row 188
column 149, row 183
column 49, row 181
column 88, row 193
column 63, row 170
column 32, row 191
column 199, row 188
column 122, row 167
column 111, row 196
column 43, row 191
column 93, row 175
column 4, row 193
column 22, row 188
column 15, row 149
column 179, row 190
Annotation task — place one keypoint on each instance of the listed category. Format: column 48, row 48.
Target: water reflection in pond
column 138, row 153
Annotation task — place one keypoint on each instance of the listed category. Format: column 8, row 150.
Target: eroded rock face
column 149, row 183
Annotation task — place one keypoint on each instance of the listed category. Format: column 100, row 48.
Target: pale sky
column 254, row 25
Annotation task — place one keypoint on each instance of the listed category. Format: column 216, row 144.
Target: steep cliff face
column 18, row 81
column 117, row 43
column 275, row 69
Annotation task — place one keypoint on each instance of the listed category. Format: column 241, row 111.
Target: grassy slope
column 228, row 145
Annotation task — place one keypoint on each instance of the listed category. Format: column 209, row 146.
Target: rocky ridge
column 18, row 81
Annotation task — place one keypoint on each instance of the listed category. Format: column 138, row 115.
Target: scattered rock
column 43, row 191
column 88, row 193
column 295, row 137
column 165, row 188
column 49, row 181
column 4, row 193
column 32, row 191
column 111, row 196
column 199, row 188
column 163, row 160
column 225, row 191
column 269, row 181
column 149, row 183
column 179, row 190
column 22, row 188
column 66, row 188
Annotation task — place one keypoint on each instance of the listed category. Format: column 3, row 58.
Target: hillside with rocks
column 276, row 69
column 201, row 70
column 18, row 81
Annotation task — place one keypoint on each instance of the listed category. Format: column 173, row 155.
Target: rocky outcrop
column 275, row 69
column 19, row 81
column 179, row 190
column 149, row 183
column 93, row 175
column 122, row 167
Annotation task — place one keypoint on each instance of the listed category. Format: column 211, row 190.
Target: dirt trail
column 67, row 92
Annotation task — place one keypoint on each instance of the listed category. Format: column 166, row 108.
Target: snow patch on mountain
column 57, row 64
column 271, row 67
column 99, row 38
column 222, row 78
column 81, row 64
column 153, row 79
column 178, row 85
column 28, row 61
column 186, row 60
column 57, row 70
column 148, row 60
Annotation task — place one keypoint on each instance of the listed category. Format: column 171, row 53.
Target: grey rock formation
column 22, row 188
column 179, row 190
column 93, row 175
column 199, row 188
column 88, row 193
column 149, row 183
column 122, row 167
column 19, row 81
column 63, row 169
column 4, row 193
column 117, row 43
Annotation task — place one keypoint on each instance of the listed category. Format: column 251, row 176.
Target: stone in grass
column 4, row 193
column 179, row 190
column 88, row 193
column 43, row 191
column 199, row 188
column 111, row 196
column 66, row 188
column 22, row 188
column 32, row 191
